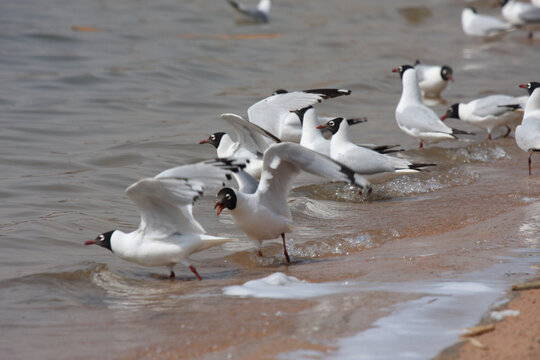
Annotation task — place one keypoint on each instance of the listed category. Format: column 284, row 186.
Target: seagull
column 168, row 233
column 519, row 13
column 265, row 214
column 274, row 112
column 251, row 142
column 260, row 14
column 488, row 112
column 416, row 119
column 484, row 26
column 313, row 139
column 433, row 79
column 528, row 133
column 374, row 166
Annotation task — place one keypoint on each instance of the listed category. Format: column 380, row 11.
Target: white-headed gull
column 433, row 79
column 251, row 142
column 416, row 119
column 485, row 26
column 519, row 13
column 313, row 139
column 528, row 133
column 374, row 166
column 261, row 13
column 488, row 112
column 168, row 233
column 265, row 214
column 274, row 112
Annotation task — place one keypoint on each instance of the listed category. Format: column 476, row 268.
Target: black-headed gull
column 416, row 119
column 261, row 13
column 251, row 142
column 488, row 112
column 433, row 79
column 313, row 139
column 265, row 214
column 485, row 26
column 519, row 13
column 374, row 166
column 168, row 233
column 528, row 133
column 274, row 113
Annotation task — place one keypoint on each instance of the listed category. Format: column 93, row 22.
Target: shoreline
column 512, row 337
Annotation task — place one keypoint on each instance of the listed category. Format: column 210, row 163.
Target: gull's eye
column 101, row 237
column 331, row 123
column 528, row 85
column 212, row 137
column 228, row 196
column 400, row 69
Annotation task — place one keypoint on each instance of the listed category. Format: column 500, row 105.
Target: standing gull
column 374, row 166
column 265, row 214
column 528, row 133
column 416, row 119
column 433, row 79
column 488, row 112
column 485, row 26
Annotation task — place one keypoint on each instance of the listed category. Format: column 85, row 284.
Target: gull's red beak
column 90, row 242
column 321, row 127
column 444, row 117
column 523, row 86
column 395, row 70
column 219, row 208
column 203, row 141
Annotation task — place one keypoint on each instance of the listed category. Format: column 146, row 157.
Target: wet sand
column 513, row 338
column 443, row 235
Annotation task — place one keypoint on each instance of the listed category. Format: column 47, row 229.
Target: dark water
column 84, row 114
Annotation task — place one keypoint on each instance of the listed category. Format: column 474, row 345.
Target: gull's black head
column 452, row 112
column 280, row 91
column 402, row 69
column 103, row 240
column 213, row 139
column 225, row 199
column 301, row 113
column 472, row 9
column 447, row 73
column 332, row 125
column 530, row 86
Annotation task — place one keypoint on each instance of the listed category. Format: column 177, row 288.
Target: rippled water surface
column 98, row 94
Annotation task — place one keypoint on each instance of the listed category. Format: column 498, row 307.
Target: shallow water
column 87, row 113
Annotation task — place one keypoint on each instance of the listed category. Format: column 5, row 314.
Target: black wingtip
column 329, row 93
column 461, row 132
column 420, row 166
column 234, row 4
column 356, row 121
column 511, row 106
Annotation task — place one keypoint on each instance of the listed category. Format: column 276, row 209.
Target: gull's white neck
column 533, row 103
column 226, row 146
column 411, row 90
column 124, row 245
column 264, row 6
column 342, row 135
column 310, row 133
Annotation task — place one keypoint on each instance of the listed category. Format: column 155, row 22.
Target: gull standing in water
column 168, row 233
column 528, row 133
column 416, row 119
column 489, row 112
column 265, row 214
column 485, row 26
column 433, row 79
column 374, row 166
